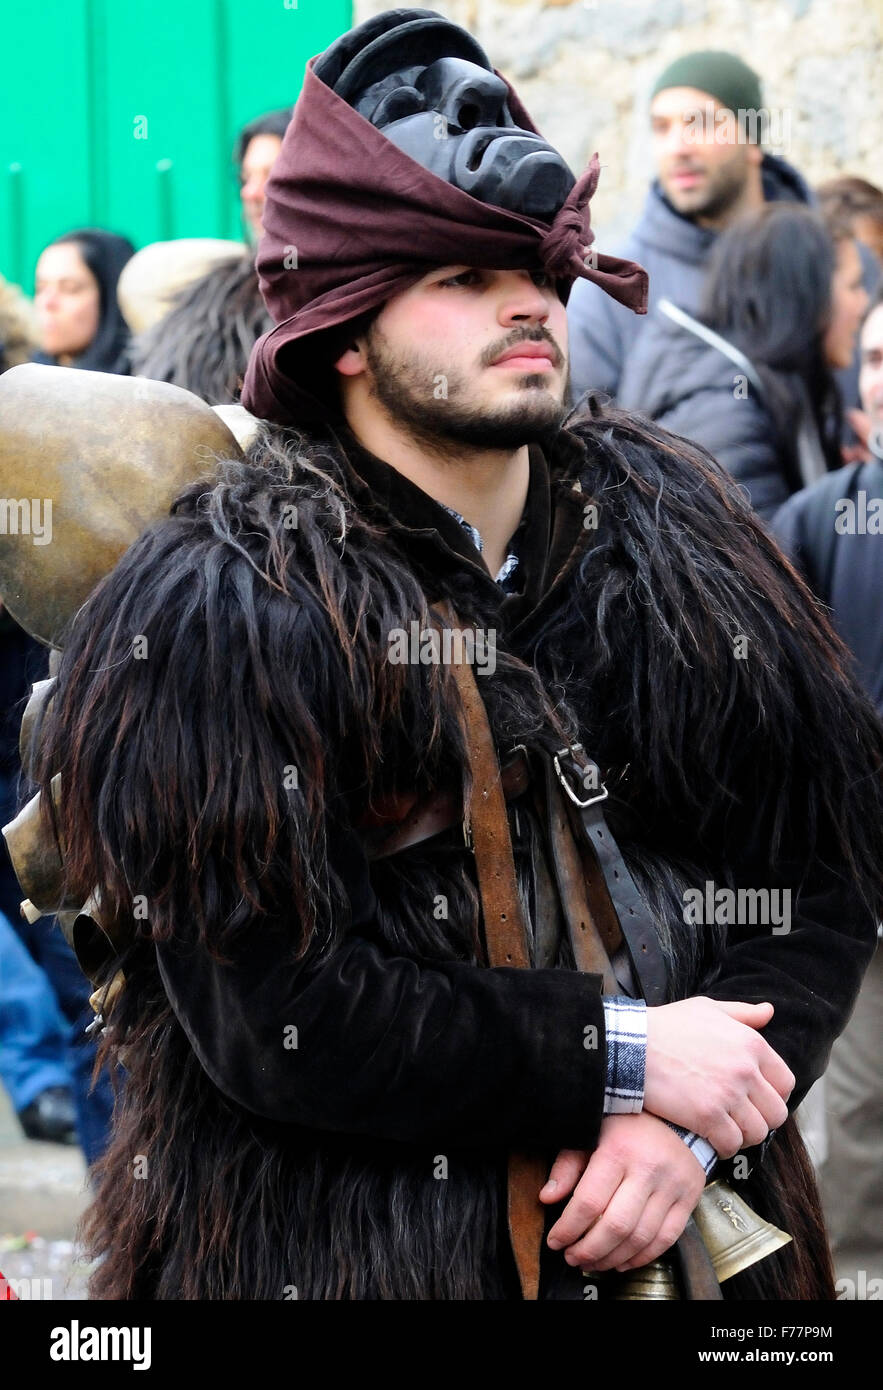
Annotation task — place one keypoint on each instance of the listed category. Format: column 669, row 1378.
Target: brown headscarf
column 350, row 221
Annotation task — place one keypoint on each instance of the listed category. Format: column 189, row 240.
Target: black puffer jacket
column 832, row 531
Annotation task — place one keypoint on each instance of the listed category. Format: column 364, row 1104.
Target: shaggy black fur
column 204, row 341
column 267, row 647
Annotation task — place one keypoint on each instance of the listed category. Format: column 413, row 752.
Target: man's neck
column 488, row 487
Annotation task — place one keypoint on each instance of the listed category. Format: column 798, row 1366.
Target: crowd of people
column 763, row 343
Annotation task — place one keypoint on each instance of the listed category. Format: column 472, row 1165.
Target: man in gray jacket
column 708, row 125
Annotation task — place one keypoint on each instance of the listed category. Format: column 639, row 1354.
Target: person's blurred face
column 702, row 166
column 848, row 304
column 67, row 299
column 870, row 380
column 469, row 356
column 257, row 162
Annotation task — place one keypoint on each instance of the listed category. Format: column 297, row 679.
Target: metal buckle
column 577, row 801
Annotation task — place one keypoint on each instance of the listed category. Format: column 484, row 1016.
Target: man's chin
column 531, row 415
column 686, row 200
column 540, row 391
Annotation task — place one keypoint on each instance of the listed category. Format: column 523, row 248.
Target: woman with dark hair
column 751, row 378
column 75, row 297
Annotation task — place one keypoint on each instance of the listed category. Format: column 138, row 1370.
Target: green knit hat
column 722, row 75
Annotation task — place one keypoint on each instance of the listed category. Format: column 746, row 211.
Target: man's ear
column 351, row 361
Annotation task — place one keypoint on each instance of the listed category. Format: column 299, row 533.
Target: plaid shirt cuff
column 699, row 1147
column 625, row 1022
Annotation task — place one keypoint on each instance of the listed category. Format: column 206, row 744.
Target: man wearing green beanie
column 708, row 127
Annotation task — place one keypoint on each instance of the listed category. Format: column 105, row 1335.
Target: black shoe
column 50, row 1116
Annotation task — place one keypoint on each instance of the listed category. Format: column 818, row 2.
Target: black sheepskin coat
column 322, row 1079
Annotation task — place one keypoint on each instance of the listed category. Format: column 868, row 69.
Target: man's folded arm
column 367, row 1042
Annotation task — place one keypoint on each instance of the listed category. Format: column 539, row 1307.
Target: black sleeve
column 811, row 973
column 393, row 1047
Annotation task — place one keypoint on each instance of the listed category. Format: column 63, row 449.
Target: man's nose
column 678, row 139
column 521, row 300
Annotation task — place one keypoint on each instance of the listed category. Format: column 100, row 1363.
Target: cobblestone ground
column 42, row 1194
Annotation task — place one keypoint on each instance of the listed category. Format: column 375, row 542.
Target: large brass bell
column 734, row 1236
column 99, row 457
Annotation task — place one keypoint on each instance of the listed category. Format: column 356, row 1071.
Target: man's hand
column 708, row 1069
column 631, row 1197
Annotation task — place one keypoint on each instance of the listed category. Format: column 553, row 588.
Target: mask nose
column 465, row 94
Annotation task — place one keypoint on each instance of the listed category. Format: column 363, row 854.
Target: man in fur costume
column 330, row 1064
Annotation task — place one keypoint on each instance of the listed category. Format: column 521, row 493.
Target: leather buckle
column 577, row 801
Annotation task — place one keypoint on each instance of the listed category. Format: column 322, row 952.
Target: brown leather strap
column 593, row 935
column 488, row 826
column 506, row 942
column 701, row 1284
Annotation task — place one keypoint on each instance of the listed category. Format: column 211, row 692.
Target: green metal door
column 123, row 113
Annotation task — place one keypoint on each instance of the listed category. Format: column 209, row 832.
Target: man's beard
column 723, row 191
column 429, row 403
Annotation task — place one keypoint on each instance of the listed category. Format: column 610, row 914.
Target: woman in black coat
column 751, row 377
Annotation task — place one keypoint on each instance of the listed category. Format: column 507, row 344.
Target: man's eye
column 466, row 277
column 542, row 279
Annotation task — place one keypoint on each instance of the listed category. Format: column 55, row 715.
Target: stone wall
column 584, row 69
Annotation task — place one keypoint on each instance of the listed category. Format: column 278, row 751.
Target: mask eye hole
column 396, row 105
column 468, row 116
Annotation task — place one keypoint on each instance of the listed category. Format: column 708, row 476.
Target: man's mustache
column 537, row 334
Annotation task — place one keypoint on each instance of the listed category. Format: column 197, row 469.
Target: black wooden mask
column 429, row 86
